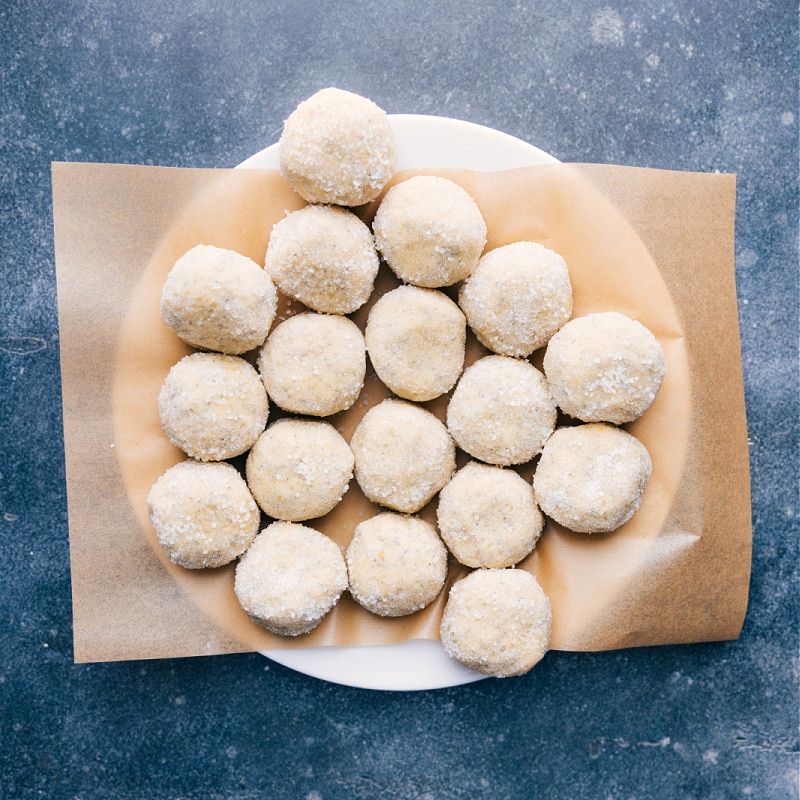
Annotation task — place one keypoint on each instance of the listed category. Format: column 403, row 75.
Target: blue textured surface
column 680, row 84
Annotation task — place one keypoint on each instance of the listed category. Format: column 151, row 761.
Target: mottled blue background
column 683, row 84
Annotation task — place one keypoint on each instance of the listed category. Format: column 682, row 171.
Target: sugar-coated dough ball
column 403, row 454
column 203, row 514
column 518, row 296
column 488, row 516
column 323, row 256
column 497, row 622
column 213, row 406
column 337, row 147
column 501, row 411
column 396, row 564
column 314, row 364
column 591, row 477
column 604, row 367
column 416, row 339
column 217, row 299
column 290, row 577
column 299, row 469
column 429, row 231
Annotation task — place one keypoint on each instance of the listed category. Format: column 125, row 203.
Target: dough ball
column 591, row 477
column 604, row 367
column 403, row 454
column 299, row 469
column 324, row 257
column 203, row 514
column 416, row 339
column 314, row 364
column 488, row 516
column 429, row 231
column 397, row 564
column 337, row 147
column 213, row 406
column 501, row 411
column 216, row 299
column 517, row 298
column 497, row 622
column 290, row 577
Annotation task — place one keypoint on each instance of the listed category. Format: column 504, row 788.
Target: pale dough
column 403, row 455
column 396, row 564
column 203, row 514
column 591, row 477
column 488, row 516
column 497, row 622
column 213, row 406
column 429, row 231
column 337, row 147
column 416, row 339
column 517, row 298
column 324, row 257
column 216, row 299
column 314, row 364
column 290, row 577
column 299, row 469
column 604, row 367
column 501, row 411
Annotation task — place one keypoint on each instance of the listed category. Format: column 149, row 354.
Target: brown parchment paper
column 656, row 245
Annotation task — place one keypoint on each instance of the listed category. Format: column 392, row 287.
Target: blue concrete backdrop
column 680, row 84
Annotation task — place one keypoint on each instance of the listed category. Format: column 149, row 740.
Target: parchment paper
column 655, row 245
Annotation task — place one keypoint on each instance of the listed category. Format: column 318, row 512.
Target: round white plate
column 422, row 143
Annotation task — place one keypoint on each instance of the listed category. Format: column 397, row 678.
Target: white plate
column 422, row 143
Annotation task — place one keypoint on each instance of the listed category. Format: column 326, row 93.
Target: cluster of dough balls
column 337, row 151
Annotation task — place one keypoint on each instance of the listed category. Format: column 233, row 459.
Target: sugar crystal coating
column 203, row 514
column 314, row 364
column 337, row 147
column 416, row 340
column 299, row 469
column 217, row 299
column 488, row 516
column 290, row 578
column 403, row 455
column 604, row 367
column 429, row 231
column 396, row 564
column 518, row 296
column 324, row 257
column 497, row 622
column 501, row 411
column 213, row 406
column 591, row 477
